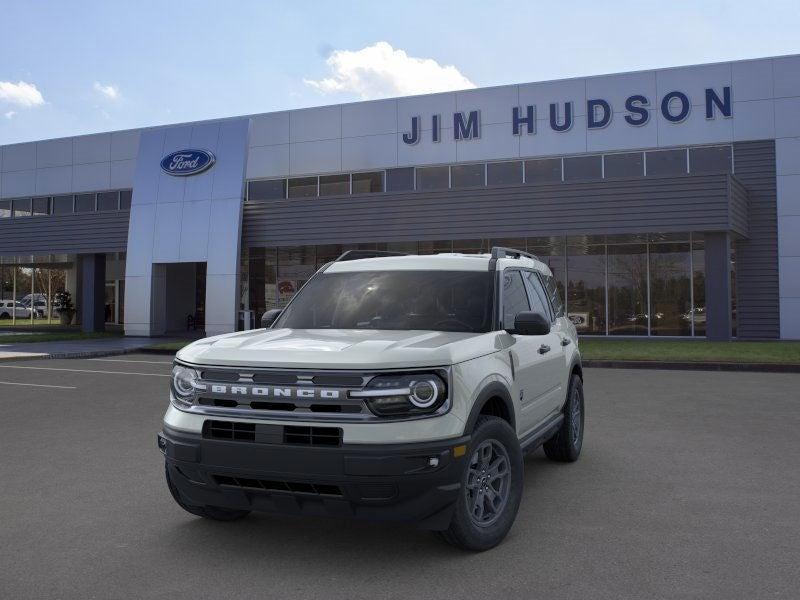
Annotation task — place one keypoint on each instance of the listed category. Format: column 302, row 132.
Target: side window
column 515, row 299
column 552, row 293
column 537, row 295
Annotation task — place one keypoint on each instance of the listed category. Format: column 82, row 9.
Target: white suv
column 391, row 387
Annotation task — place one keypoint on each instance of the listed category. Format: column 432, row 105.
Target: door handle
column 565, row 341
column 544, row 349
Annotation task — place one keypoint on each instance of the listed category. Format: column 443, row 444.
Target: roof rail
column 358, row 254
column 501, row 252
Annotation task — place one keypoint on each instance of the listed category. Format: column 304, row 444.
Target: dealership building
column 666, row 202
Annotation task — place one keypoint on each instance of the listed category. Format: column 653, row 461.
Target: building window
column 713, row 159
column 62, row 205
column 504, row 173
column 270, row 189
column 580, row 168
column 627, row 289
column 586, row 285
column 22, row 207
column 662, row 163
column 670, row 289
column 629, row 164
column 400, row 180
column 463, row 176
column 303, row 187
column 334, row 185
column 125, row 199
column 367, row 183
column 5, row 209
column 433, row 178
column 84, row 203
column 547, row 170
column 107, row 201
column 41, row 206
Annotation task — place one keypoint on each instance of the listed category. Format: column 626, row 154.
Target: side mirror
column 531, row 323
column 269, row 317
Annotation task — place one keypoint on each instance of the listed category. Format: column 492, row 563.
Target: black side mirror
column 531, row 323
column 269, row 317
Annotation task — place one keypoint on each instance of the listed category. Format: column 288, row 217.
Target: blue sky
column 69, row 68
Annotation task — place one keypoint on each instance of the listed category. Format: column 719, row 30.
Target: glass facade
column 625, row 285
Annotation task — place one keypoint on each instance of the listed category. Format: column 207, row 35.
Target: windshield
column 434, row 300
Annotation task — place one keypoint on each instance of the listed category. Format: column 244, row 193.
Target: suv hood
column 339, row 348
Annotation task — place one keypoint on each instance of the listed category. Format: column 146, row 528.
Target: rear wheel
column 216, row 513
column 566, row 444
column 491, row 488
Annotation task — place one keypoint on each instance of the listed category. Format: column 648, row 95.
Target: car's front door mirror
column 269, row 317
column 531, row 323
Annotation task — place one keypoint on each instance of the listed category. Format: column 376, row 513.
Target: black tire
column 566, row 444
column 465, row 531
column 215, row 513
column 5, row 315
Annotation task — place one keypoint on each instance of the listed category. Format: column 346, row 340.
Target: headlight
column 184, row 384
column 403, row 395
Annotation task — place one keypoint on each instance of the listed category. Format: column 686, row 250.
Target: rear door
column 533, row 384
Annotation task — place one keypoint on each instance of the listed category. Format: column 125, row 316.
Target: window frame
column 500, row 312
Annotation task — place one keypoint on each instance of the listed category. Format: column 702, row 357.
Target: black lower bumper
column 400, row 482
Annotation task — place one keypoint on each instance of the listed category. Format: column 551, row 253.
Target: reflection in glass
column 627, row 289
column 586, row 272
column 303, row 187
column 670, row 296
column 699, row 285
column 296, row 264
column 550, row 251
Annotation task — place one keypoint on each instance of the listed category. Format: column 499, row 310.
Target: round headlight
column 183, row 379
column 423, row 393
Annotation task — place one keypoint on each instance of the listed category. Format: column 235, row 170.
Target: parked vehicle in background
column 14, row 308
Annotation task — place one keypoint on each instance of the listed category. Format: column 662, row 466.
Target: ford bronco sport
column 391, row 387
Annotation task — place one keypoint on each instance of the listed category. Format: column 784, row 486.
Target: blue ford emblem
column 187, row 162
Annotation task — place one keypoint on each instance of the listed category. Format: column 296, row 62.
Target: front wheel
column 566, row 444
column 491, row 488
column 215, row 513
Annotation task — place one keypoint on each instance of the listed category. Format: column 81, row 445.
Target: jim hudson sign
column 674, row 106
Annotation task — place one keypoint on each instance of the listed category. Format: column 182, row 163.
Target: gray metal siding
column 739, row 207
column 57, row 234
column 641, row 205
column 758, row 310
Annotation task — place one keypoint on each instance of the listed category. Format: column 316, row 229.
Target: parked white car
column 402, row 388
column 14, row 308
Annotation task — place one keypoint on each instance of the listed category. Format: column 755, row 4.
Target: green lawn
column 52, row 336
column 690, row 351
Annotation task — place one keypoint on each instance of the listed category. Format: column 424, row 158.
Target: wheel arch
column 494, row 399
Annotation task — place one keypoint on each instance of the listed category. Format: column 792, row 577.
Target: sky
column 85, row 66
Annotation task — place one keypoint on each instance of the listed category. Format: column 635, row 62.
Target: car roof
column 450, row 261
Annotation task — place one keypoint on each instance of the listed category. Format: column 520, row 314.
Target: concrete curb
column 692, row 366
column 60, row 355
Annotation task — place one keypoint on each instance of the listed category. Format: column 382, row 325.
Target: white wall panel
column 786, row 71
column 205, row 136
column 19, row 183
column 752, row 80
column 425, row 107
column 91, row 177
column 619, row 135
column 753, row 120
column 693, row 82
column 229, row 170
column 790, row 318
column 696, row 129
column 92, row 148
column 140, row 249
column 616, row 89
column 122, row 173
column 323, row 156
column 369, row 152
column 194, row 230
column 19, row 157
column 559, row 92
column 790, row 277
column 787, row 156
column 427, row 152
column 223, row 237
column 787, row 117
column 269, row 129
column 495, row 104
column 54, row 180
column 177, row 138
column 788, row 195
column 268, row 161
column 369, row 118
column 221, row 304
column 310, row 124
column 54, row 153
column 549, row 142
column 166, row 243
column 146, row 176
column 124, row 144
column 496, row 141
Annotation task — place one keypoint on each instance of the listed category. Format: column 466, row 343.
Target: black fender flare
column 494, row 389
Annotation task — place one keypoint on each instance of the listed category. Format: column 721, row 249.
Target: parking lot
column 688, row 487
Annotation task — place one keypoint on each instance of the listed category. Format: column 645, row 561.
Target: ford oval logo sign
column 187, row 162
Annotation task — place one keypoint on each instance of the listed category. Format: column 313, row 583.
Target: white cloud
column 380, row 71
column 10, row 114
column 109, row 91
column 20, row 93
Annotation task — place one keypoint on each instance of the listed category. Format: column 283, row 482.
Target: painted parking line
column 61, row 387
column 123, row 360
column 84, row 371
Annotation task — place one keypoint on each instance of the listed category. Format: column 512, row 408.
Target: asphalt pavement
column 688, row 487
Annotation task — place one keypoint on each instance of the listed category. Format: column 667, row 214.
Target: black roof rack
column 358, row 254
column 501, row 252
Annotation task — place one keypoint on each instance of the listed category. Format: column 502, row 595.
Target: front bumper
column 415, row 482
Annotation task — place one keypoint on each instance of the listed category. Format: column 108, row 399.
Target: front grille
column 312, row 436
column 229, row 430
column 316, row 489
